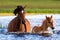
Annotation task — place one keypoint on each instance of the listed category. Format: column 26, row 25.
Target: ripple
column 34, row 20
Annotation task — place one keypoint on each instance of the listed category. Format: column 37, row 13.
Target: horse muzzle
column 52, row 27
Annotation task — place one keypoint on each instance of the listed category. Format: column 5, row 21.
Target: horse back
column 12, row 25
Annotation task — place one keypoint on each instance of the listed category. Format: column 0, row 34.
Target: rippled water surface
column 34, row 20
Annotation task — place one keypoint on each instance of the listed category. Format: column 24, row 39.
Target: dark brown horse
column 43, row 29
column 19, row 23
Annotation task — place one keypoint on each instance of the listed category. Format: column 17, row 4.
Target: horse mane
column 19, row 8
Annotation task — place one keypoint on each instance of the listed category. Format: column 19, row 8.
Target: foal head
column 49, row 22
column 20, row 11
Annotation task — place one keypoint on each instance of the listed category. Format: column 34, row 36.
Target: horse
column 19, row 23
column 43, row 29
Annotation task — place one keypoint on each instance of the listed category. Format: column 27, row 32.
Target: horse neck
column 19, row 21
column 20, row 16
column 44, row 25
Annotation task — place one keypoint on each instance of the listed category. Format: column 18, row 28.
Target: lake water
column 34, row 20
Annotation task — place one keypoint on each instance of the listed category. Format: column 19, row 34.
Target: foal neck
column 44, row 25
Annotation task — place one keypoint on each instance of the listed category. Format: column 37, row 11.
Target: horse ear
column 25, row 6
column 51, row 16
column 46, row 17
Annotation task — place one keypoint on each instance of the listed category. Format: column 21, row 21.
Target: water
column 34, row 20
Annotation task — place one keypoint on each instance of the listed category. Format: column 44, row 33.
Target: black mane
column 19, row 8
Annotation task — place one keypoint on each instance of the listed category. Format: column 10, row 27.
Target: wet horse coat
column 43, row 29
column 19, row 23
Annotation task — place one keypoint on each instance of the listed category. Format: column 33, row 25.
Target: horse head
column 20, row 11
column 49, row 22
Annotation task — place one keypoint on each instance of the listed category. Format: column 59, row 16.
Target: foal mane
column 44, row 22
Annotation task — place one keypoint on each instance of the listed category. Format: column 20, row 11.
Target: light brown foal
column 43, row 29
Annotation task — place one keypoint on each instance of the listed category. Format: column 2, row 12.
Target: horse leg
column 46, row 33
column 21, row 28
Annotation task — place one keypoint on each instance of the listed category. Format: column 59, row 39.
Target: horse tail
column 33, row 31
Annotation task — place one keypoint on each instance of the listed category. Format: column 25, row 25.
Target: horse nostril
column 53, row 28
